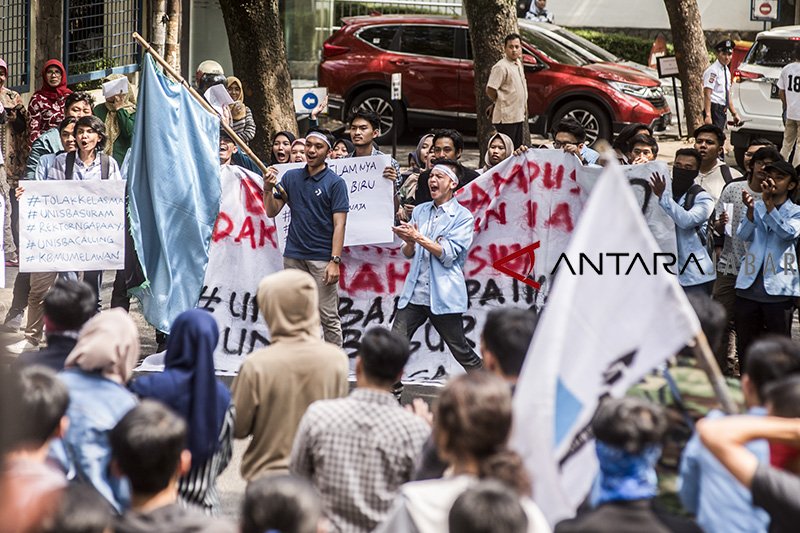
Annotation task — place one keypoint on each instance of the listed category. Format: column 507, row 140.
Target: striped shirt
column 199, row 487
column 82, row 172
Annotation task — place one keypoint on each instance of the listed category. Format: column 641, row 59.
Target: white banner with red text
column 533, row 198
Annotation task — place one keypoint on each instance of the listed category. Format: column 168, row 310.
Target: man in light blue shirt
column 706, row 488
column 690, row 207
column 438, row 238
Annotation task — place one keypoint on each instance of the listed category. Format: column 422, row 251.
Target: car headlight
column 639, row 91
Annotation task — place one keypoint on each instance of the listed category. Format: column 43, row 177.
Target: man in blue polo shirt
column 318, row 199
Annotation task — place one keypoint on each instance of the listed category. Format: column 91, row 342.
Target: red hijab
column 54, row 93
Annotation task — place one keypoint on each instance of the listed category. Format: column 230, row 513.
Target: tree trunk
column 259, row 59
column 692, row 56
column 159, row 26
column 489, row 23
column 49, row 20
column 172, row 50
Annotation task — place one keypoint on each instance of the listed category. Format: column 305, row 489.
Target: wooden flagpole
column 705, row 357
column 177, row 76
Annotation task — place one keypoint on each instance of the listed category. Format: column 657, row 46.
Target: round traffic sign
column 310, row 100
column 765, row 9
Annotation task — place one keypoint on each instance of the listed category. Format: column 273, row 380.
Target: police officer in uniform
column 717, row 88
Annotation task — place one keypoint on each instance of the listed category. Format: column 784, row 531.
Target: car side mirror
column 531, row 64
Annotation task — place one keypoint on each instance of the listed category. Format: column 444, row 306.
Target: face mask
column 682, row 179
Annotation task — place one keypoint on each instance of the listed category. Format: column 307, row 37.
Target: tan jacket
column 276, row 384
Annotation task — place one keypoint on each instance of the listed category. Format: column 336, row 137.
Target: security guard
column 717, row 88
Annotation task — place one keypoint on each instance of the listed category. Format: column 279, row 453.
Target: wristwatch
column 336, row 259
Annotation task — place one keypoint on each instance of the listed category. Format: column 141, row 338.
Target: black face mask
column 682, row 179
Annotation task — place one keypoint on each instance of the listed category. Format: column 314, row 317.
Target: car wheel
column 589, row 115
column 377, row 101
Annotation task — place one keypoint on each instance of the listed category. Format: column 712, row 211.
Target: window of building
column 97, row 38
column 15, row 32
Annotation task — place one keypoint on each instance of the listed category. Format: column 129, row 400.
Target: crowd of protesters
column 88, row 447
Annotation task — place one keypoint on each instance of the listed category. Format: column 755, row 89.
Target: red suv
column 434, row 54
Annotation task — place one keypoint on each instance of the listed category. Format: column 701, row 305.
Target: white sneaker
column 22, row 346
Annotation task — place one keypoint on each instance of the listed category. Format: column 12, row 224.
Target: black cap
column 783, row 167
column 724, row 46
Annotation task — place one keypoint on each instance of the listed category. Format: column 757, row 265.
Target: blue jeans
column 450, row 328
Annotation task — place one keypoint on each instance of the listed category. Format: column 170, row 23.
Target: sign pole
column 677, row 107
column 397, row 78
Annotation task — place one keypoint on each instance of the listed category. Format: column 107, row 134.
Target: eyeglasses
column 562, row 144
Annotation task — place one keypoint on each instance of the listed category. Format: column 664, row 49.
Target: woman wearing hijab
column 118, row 113
column 243, row 123
column 189, row 387
column 13, row 155
column 499, row 148
column 46, row 109
column 95, row 373
column 408, row 185
column 342, row 148
column 298, row 151
column 281, row 147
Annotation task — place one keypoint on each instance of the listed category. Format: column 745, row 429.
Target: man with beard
column 689, row 206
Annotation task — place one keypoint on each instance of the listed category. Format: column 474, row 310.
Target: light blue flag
column 174, row 193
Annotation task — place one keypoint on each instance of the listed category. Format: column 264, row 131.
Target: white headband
column 319, row 136
column 446, row 170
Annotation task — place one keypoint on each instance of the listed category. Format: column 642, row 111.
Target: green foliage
column 90, row 66
column 625, row 46
column 628, row 47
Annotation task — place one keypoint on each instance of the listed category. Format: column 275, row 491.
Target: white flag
column 599, row 334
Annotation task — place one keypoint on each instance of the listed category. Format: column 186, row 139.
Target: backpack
column 104, row 164
column 706, row 235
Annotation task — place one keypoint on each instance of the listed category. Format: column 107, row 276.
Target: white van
column 754, row 91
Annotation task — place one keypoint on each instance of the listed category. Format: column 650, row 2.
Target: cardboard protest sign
column 72, row 226
column 371, row 215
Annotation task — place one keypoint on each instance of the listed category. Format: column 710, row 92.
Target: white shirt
column 713, row 181
column 718, row 78
column 789, row 81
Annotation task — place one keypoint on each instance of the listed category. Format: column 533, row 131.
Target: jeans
column 450, row 328
column 328, row 297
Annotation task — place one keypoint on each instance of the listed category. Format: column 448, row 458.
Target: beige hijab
column 108, row 344
column 506, row 141
column 112, row 125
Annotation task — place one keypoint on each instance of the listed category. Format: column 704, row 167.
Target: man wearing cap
column 437, row 239
column 717, row 88
column 768, row 280
column 319, row 202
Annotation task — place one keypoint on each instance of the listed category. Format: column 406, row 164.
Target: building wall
column 207, row 36
column 649, row 14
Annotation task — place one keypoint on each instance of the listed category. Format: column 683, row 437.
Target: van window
column 771, row 53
